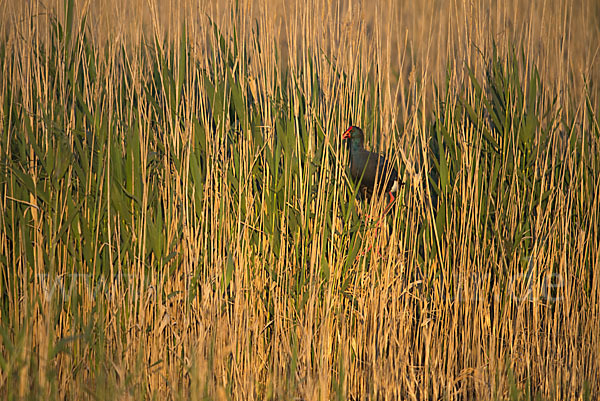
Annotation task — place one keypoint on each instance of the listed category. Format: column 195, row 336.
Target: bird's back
column 371, row 169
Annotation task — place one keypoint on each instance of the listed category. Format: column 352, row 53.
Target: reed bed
column 177, row 218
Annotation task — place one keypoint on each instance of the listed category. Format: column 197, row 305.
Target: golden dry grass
column 131, row 280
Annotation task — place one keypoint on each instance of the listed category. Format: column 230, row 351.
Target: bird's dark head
column 355, row 135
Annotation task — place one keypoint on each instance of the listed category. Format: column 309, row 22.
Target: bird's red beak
column 347, row 134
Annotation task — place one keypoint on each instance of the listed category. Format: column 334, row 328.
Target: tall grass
column 177, row 217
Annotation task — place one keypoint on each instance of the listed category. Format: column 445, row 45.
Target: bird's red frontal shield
column 347, row 134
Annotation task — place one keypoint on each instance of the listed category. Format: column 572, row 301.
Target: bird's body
column 371, row 170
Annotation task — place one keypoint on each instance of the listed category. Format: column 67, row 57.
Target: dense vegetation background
column 176, row 218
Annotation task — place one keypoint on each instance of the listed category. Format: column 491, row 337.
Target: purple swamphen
column 371, row 170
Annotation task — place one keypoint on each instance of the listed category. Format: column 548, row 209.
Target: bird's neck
column 356, row 146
